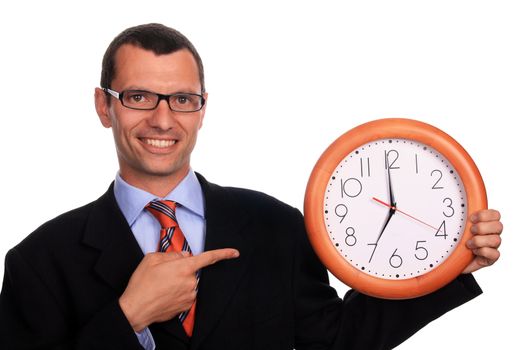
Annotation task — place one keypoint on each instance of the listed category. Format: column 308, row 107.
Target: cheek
column 123, row 130
column 193, row 128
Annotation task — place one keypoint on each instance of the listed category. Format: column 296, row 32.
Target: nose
column 162, row 117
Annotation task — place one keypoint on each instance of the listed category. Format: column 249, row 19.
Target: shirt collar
column 132, row 200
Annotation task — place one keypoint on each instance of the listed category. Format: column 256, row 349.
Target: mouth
column 158, row 143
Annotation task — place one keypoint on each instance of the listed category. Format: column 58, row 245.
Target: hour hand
column 385, row 224
column 387, row 220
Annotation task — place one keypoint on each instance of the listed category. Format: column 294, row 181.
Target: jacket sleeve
column 384, row 324
column 324, row 321
column 31, row 317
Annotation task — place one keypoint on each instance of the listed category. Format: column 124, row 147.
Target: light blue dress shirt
column 146, row 229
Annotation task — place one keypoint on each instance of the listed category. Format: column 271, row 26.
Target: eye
column 137, row 97
column 185, row 102
column 182, row 99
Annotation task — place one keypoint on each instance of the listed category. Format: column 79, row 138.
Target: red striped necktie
column 172, row 240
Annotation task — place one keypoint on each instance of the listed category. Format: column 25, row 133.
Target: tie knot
column 164, row 212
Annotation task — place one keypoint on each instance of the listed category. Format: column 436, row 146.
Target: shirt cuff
column 146, row 339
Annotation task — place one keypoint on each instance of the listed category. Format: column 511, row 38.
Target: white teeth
column 160, row 143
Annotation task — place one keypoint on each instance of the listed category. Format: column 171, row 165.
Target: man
column 243, row 276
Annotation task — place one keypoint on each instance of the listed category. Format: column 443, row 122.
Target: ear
column 102, row 107
column 203, row 110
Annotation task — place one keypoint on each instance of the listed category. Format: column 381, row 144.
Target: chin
column 166, row 171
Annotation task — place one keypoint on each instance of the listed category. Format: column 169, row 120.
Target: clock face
column 395, row 208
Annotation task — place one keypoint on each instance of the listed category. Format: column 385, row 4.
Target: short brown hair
column 154, row 37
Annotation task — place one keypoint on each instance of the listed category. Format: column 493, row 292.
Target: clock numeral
column 363, row 167
column 390, row 164
column 422, row 251
column 395, row 260
column 442, row 231
column 452, row 211
column 417, row 166
column 341, row 211
column 350, row 236
column 440, row 174
column 373, row 251
column 351, row 187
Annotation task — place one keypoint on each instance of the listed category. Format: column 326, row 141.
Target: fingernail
column 236, row 254
column 474, row 218
column 474, row 229
column 470, row 244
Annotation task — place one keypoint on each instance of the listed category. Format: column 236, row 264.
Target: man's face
column 158, row 143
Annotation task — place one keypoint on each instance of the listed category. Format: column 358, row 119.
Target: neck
column 159, row 186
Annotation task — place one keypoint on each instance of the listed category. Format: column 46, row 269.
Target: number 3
column 448, row 206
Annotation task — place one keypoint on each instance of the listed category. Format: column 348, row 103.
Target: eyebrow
column 137, row 88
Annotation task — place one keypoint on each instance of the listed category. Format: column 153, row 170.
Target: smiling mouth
column 159, row 143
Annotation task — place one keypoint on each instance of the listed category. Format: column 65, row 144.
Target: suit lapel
column 218, row 282
column 108, row 231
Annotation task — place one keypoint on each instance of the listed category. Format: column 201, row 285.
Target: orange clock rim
column 314, row 202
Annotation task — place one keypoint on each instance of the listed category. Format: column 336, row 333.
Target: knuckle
column 152, row 258
column 193, row 295
column 188, row 300
column 479, row 252
column 477, row 241
column 497, row 254
column 484, row 252
column 496, row 214
column 173, row 255
column 496, row 241
column 190, row 284
column 489, row 254
column 484, row 261
column 186, row 270
column 490, row 215
column 492, row 254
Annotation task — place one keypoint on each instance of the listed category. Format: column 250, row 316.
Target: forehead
column 136, row 67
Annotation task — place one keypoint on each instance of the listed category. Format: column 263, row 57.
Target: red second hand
column 402, row 212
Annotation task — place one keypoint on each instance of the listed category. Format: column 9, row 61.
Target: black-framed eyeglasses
column 147, row 100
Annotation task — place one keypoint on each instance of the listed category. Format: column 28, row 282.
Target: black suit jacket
column 62, row 284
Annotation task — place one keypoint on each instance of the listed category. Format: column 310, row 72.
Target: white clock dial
column 395, row 208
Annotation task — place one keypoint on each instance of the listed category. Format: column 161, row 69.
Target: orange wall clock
column 387, row 207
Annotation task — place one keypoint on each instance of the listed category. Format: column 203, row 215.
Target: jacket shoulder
column 58, row 228
column 61, row 230
column 252, row 201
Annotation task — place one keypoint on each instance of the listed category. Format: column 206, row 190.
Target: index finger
column 210, row 257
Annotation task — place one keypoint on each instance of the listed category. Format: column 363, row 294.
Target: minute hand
column 393, row 208
column 391, row 192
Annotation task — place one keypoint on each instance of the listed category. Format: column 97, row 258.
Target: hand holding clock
column 486, row 229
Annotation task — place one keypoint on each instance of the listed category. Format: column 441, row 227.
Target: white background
column 285, row 79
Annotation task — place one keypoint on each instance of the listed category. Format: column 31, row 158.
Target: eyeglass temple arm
column 111, row 92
